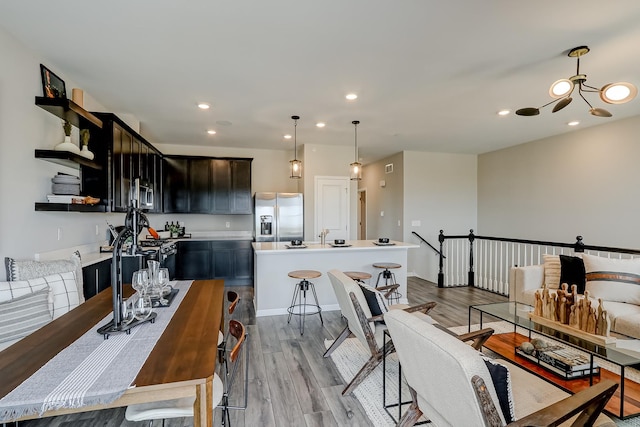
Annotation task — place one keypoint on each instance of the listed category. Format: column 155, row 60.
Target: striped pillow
column 23, row 315
column 551, row 271
column 64, row 292
column 613, row 279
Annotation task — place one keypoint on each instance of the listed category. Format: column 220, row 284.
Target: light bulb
column 295, row 167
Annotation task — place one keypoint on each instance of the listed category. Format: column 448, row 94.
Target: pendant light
column 295, row 164
column 356, row 167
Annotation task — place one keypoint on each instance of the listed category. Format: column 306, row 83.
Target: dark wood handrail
column 429, row 244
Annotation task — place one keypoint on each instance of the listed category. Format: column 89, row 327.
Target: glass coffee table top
column 625, row 351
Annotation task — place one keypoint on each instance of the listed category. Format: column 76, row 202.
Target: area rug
column 351, row 355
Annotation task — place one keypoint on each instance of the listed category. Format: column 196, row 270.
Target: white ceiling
column 430, row 75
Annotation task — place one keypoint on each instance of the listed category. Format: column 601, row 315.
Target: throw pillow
column 502, row 384
column 572, row 272
column 23, row 315
column 375, row 300
column 613, row 279
column 31, row 269
column 64, row 292
column 551, row 271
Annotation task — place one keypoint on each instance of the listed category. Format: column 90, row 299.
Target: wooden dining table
column 182, row 363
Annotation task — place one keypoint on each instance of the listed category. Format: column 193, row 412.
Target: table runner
column 92, row 370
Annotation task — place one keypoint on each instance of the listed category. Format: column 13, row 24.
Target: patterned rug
column 351, row 355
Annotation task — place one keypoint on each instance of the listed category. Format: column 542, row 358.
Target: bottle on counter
column 166, row 226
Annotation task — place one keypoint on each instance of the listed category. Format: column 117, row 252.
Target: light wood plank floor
column 290, row 384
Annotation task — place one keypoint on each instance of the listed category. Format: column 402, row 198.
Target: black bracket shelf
column 66, row 109
column 66, row 158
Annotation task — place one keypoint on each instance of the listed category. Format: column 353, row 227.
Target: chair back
column 238, row 331
column 343, row 285
column 233, row 298
column 439, row 367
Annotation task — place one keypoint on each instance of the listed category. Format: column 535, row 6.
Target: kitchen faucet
column 323, row 235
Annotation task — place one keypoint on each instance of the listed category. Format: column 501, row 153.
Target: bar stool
column 389, row 280
column 358, row 276
column 300, row 293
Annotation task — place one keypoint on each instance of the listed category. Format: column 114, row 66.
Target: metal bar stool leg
column 303, row 306
column 293, row 300
column 315, row 296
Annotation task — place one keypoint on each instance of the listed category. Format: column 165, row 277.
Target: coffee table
column 625, row 352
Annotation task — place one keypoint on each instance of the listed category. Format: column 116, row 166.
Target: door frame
column 362, row 214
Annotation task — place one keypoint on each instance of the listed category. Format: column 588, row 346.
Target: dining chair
column 222, row 385
column 233, row 299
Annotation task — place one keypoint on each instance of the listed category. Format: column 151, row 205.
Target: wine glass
column 142, row 307
column 163, row 284
column 140, row 281
column 128, row 309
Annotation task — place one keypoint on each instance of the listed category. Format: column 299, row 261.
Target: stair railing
column 484, row 261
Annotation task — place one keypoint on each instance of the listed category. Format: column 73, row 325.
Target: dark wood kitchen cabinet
column 231, row 260
column 96, row 278
column 126, row 156
column 207, row 185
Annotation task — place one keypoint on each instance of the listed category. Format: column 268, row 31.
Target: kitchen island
column 273, row 289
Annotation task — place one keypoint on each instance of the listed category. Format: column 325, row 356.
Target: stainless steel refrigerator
column 278, row 217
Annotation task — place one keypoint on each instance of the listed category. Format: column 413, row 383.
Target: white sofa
column 443, row 372
column 615, row 281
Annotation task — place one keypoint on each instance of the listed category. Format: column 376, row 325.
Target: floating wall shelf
column 66, row 158
column 66, row 109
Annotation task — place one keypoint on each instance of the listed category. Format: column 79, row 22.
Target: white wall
column 24, row 179
column 440, row 192
column 584, row 182
column 325, row 160
column 384, row 204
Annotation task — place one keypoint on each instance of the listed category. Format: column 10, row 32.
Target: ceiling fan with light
column 561, row 90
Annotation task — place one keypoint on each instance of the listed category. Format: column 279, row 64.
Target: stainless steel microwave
column 142, row 194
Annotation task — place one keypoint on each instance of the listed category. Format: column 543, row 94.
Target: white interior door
column 332, row 206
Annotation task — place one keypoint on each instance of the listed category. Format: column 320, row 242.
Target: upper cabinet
column 127, row 156
column 207, row 185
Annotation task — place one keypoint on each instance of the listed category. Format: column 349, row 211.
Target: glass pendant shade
column 295, row 165
column 295, row 169
column 355, row 171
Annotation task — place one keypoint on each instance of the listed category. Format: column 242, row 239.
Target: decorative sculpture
column 565, row 307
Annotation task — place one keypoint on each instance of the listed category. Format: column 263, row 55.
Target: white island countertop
column 316, row 246
column 273, row 288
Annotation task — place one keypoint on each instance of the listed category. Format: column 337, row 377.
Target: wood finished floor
column 290, row 384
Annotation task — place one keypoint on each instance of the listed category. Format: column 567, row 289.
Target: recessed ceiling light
column 211, row 132
column 574, row 123
column 351, row 96
column 320, row 124
column 503, row 112
column 287, row 136
column 203, row 105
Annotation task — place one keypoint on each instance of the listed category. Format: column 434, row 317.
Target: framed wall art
column 52, row 85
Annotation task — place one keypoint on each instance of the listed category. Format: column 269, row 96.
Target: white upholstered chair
column 363, row 325
column 451, row 384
